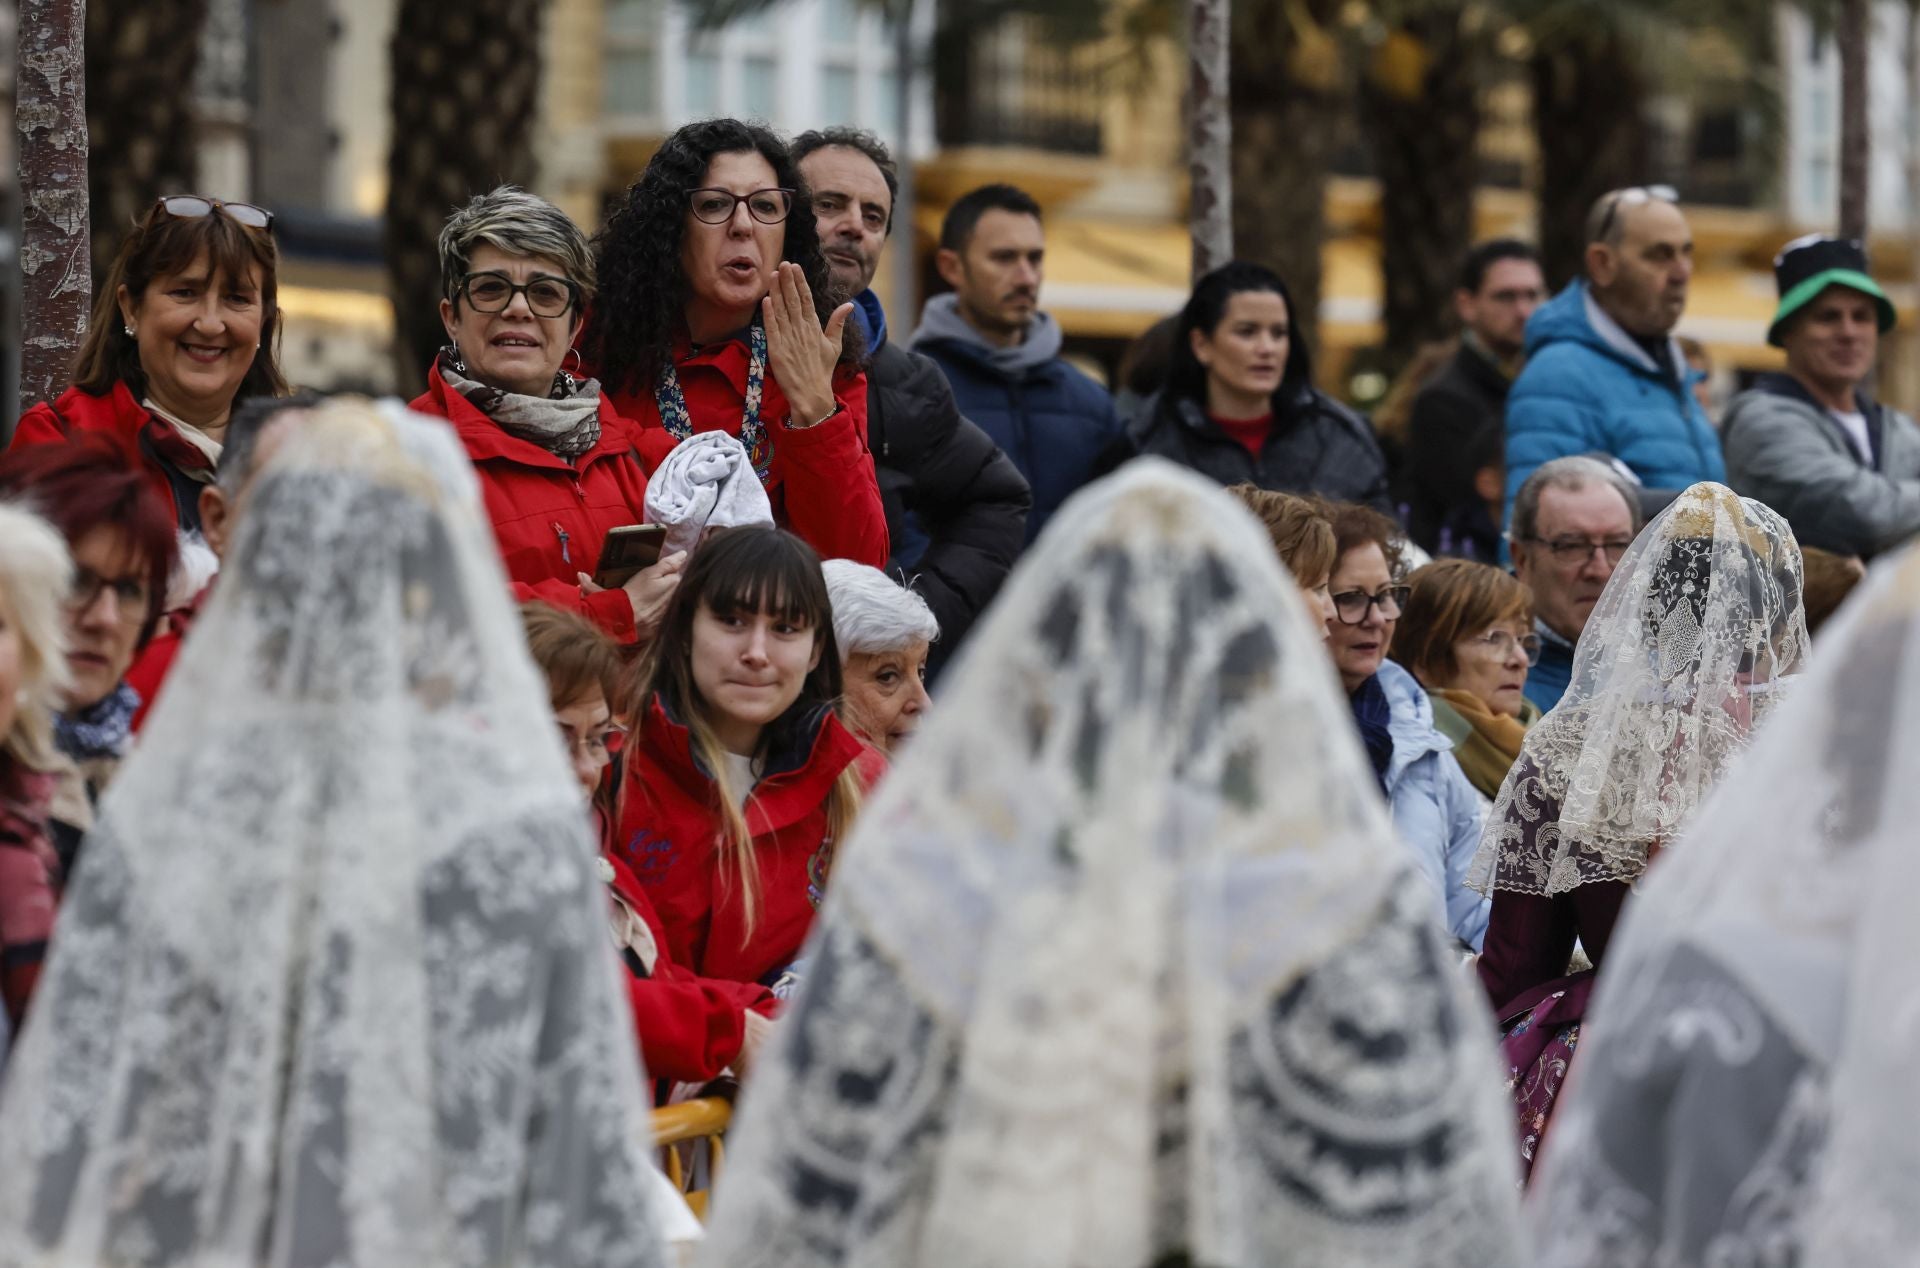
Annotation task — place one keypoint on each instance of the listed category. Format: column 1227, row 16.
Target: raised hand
column 800, row 353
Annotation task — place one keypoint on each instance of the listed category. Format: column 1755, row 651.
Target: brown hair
column 1355, row 525
column 161, row 244
column 1301, row 534
column 1451, row 600
column 1827, row 580
column 574, row 655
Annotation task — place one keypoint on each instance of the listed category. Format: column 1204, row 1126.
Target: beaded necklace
column 753, row 433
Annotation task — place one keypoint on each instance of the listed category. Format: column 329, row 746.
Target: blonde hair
column 36, row 574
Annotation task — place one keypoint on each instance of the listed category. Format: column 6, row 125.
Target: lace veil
column 1746, row 1093
column 1123, row 965
column 330, row 985
column 1679, row 663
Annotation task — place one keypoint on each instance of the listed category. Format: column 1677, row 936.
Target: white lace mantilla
column 330, row 987
column 1685, row 656
column 1123, row 965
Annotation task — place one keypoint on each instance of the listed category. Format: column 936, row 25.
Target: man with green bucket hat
column 1810, row 443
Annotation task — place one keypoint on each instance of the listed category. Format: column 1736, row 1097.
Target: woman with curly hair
column 713, row 315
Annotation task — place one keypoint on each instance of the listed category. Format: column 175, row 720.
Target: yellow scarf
column 1492, row 742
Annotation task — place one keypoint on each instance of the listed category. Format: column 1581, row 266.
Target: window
column 839, row 95
column 760, row 82
column 633, row 83
column 703, row 84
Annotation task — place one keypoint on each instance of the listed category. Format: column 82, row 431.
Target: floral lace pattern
column 329, row 987
column 1123, row 961
column 1746, row 1095
column 1679, row 664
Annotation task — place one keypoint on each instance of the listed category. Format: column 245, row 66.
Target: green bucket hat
column 1806, row 266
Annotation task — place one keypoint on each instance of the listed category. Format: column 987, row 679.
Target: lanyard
column 672, row 402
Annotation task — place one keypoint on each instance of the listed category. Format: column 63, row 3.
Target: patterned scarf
column 565, row 423
column 1374, row 716
column 99, row 730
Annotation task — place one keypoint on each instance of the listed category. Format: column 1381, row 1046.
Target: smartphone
column 626, row 551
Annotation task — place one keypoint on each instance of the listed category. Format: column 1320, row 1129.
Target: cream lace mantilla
column 1682, row 660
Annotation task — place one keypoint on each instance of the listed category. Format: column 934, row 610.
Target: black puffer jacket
column 1317, row 445
column 956, row 505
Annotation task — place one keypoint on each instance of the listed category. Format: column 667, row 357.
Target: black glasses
column 193, row 207
column 1501, row 642
column 130, row 598
column 1632, row 196
column 1351, row 606
column 715, row 206
column 492, row 292
column 1570, row 552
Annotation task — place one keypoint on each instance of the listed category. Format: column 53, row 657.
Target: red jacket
column 148, row 443
column 822, row 482
column 671, row 829
column 148, row 673
column 690, row 1027
column 550, row 516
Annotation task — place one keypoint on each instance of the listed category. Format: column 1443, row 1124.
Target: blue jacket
column 1589, row 388
column 1547, row 680
column 1436, row 810
column 1053, row 421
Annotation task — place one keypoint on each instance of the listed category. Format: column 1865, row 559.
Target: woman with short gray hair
column 559, row 467
column 884, row 632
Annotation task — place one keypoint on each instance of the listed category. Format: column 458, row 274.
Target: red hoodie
column 821, row 482
column 671, row 829
column 550, row 516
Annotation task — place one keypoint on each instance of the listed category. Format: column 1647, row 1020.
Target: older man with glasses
column 1604, row 374
column 1573, row 519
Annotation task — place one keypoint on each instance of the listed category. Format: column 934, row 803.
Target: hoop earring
column 579, row 364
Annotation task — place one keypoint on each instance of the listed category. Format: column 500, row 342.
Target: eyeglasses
column 492, row 292
column 597, row 746
column 1633, row 196
column 1351, row 606
column 129, row 595
column 715, row 206
column 193, row 207
column 1503, row 643
column 1569, row 552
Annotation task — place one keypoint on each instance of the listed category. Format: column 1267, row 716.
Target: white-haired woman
column 885, row 632
column 36, row 576
column 558, row 466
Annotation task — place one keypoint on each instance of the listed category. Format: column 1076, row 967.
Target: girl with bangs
column 742, row 777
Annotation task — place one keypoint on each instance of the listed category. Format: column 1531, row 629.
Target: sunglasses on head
column 1633, row 196
column 193, row 207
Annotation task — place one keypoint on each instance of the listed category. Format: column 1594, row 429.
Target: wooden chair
column 689, row 1123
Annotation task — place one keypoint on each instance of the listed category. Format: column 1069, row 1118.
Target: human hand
column 800, row 353
column 758, row 1030
column 649, row 591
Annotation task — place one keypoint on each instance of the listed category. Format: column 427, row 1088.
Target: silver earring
column 129, row 330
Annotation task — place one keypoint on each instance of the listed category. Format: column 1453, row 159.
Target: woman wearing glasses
column 123, row 545
column 1467, row 635
column 1679, row 664
column 558, row 466
column 713, row 315
column 1434, row 807
column 183, row 329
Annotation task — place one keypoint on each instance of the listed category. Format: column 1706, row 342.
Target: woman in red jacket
column 183, row 329
column 742, row 779
column 558, row 465
column 712, row 316
column 691, row 1028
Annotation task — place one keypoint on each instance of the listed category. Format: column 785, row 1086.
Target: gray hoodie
column 941, row 320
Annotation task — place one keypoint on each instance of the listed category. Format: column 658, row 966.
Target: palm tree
column 141, row 58
column 51, row 108
column 1209, row 134
column 1851, row 34
column 466, row 85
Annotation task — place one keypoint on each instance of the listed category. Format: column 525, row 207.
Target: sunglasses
column 1633, row 196
column 193, row 207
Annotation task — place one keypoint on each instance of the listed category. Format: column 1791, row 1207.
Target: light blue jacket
column 1437, row 811
column 1588, row 387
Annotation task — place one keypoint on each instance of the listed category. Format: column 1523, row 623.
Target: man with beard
column 956, row 506
column 1002, row 354
column 1604, row 374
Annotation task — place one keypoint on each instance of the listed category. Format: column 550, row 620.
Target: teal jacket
column 1589, row 388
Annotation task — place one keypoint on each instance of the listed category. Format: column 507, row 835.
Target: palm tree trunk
column 1851, row 35
column 1590, row 127
column 50, row 109
column 1209, row 135
column 141, row 58
column 1420, row 106
column 1286, row 81
column 466, row 87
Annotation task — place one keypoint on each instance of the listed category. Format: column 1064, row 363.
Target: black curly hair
column 643, row 292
